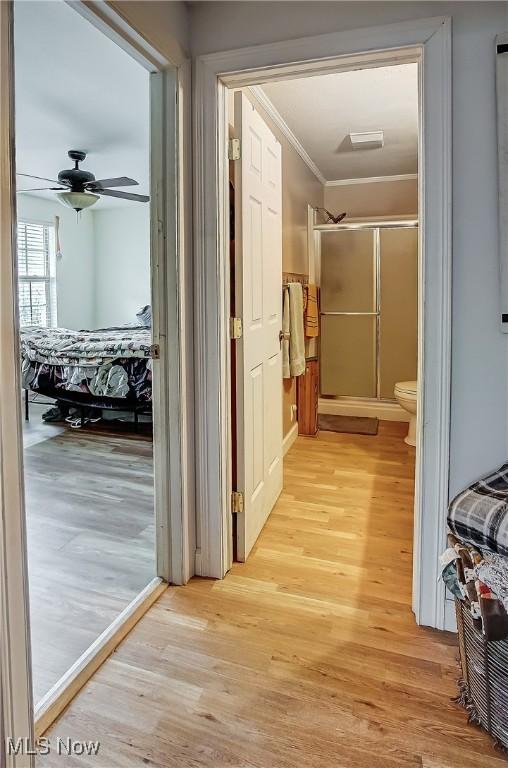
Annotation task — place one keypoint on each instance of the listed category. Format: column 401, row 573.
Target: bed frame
column 84, row 401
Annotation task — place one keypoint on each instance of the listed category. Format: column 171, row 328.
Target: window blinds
column 34, row 275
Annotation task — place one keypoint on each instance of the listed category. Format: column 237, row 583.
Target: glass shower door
column 349, row 313
column 398, row 291
column 369, row 310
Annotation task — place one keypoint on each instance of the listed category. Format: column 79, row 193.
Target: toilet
column 405, row 393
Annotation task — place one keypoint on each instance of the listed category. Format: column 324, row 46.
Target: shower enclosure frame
column 375, row 227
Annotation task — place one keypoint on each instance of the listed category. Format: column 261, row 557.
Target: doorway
column 433, row 368
column 341, row 332
column 83, row 285
column 95, row 606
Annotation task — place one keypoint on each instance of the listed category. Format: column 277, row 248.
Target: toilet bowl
column 406, row 393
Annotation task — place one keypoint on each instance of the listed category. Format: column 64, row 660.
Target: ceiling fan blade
column 121, row 181
column 123, row 195
column 43, row 189
column 43, row 178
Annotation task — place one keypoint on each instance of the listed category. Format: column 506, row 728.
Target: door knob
column 283, row 336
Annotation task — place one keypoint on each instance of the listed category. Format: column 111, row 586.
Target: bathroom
column 347, row 262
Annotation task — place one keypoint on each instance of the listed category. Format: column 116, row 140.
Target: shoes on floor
column 76, row 422
column 53, row 414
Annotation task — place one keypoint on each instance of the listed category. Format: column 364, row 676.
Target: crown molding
column 262, row 99
column 371, row 180
column 260, row 96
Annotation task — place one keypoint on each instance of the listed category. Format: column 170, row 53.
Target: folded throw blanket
column 479, row 515
column 493, row 571
column 487, row 609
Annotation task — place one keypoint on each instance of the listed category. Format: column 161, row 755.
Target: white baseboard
column 450, row 620
column 290, row 438
column 65, row 689
column 371, row 408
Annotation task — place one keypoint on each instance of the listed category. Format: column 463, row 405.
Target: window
column 36, row 281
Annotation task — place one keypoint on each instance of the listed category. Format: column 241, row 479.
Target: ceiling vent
column 367, row 140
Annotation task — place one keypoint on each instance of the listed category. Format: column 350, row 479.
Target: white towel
column 286, row 373
column 296, row 330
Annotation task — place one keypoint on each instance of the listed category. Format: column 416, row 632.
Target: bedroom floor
column 90, row 510
column 307, row 655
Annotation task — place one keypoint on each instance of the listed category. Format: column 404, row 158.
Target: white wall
column 103, row 276
column 122, row 263
column 75, row 278
column 165, row 24
column 479, row 427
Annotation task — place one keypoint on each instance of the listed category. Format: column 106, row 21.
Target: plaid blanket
column 60, row 346
column 479, row 515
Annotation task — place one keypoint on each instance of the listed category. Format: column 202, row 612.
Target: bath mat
column 356, row 425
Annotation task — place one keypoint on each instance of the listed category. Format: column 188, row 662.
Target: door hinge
column 237, row 502
column 155, row 351
column 235, row 327
column 234, row 149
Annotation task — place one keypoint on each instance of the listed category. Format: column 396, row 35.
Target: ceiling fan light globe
column 77, row 200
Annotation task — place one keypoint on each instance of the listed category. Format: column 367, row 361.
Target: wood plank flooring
column 307, row 655
column 90, row 526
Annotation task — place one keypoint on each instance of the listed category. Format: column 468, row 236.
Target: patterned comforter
column 60, row 346
column 107, row 363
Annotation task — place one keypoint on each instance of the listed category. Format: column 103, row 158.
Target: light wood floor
column 90, row 530
column 307, row 655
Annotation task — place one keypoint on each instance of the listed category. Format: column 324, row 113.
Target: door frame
column 16, row 702
column 171, row 286
column 172, row 329
column 429, row 42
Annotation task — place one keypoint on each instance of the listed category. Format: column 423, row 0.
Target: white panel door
column 258, row 297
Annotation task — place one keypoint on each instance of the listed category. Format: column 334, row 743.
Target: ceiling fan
column 80, row 189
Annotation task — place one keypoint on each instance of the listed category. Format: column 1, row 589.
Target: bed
column 108, row 368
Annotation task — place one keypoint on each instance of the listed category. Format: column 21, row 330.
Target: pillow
column 145, row 316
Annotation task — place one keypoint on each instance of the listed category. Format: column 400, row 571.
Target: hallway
column 306, row 655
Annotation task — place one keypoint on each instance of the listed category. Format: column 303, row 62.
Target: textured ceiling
column 322, row 111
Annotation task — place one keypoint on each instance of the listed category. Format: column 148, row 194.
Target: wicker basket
column 484, row 685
